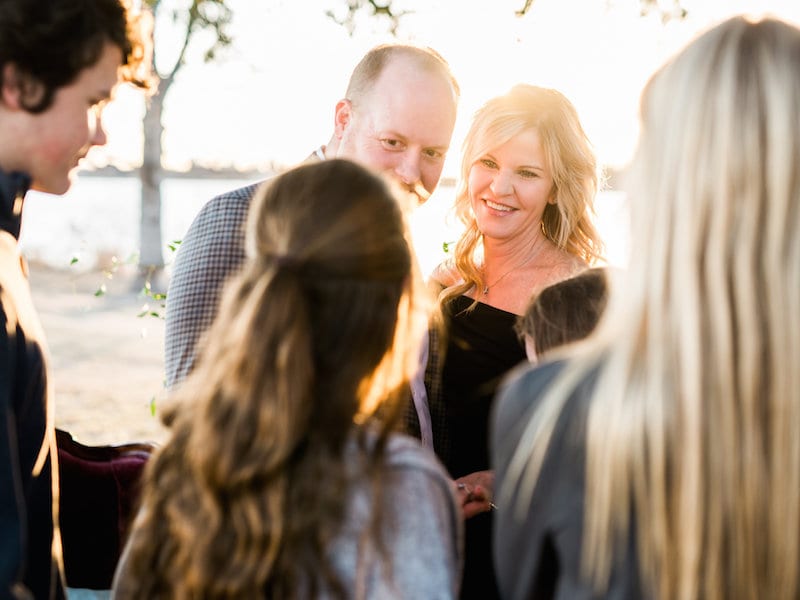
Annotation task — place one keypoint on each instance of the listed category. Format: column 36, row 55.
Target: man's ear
column 342, row 117
column 20, row 90
column 11, row 90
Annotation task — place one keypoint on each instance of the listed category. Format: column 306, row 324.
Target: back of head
column 715, row 204
column 328, row 264
column 703, row 342
column 51, row 42
column 564, row 312
column 569, row 154
column 714, row 186
column 370, row 67
column 306, row 337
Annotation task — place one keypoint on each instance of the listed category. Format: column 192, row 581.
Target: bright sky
column 272, row 95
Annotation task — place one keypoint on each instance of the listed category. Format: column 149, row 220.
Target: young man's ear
column 342, row 116
column 19, row 89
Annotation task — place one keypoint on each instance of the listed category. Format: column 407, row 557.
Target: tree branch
column 522, row 11
column 375, row 9
column 676, row 11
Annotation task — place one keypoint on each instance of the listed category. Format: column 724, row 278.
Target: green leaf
column 73, row 261
column 101, row 291
column 152, row 406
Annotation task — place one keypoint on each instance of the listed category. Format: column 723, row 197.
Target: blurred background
column 249, row 87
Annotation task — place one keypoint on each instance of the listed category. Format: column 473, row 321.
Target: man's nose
column 97, row 133
column 408, row 169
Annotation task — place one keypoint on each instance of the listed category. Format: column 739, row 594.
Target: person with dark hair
column 282, row 477
column 660, row 459
column 562, row 313
column 397, row 116
column 59, row 62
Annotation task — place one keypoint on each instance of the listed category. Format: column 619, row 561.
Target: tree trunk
column 151, row 255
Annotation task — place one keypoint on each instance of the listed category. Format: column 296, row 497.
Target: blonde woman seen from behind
column 662, row 460
column 282, row 478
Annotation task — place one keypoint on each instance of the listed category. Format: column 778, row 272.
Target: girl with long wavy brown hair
column 662, row 458
column 282, row 478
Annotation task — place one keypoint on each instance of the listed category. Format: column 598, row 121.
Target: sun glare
column 271, row 96
column 269, row 100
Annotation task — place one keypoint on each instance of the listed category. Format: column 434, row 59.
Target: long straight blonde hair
column 694, row 424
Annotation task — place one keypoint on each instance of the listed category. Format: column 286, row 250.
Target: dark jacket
column 537, row 551
column 26, row 526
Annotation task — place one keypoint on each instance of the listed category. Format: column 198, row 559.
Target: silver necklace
column 534, row 254
column 487, row 286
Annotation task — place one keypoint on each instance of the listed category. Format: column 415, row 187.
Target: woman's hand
column 475, row 492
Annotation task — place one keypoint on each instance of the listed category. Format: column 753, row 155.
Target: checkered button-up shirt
column 428, row 411
column 211, row 251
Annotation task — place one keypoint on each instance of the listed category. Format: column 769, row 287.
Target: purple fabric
column 100, row 488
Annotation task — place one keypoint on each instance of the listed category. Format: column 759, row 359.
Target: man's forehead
column 418, row 107
column 409, row 73
column 403, row 126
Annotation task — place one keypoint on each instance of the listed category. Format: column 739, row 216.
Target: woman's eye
column 528, row 174
column 488, row 163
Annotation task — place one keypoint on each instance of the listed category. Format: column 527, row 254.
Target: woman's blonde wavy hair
column 694, row 425
column 568, row 222
column 314, row 335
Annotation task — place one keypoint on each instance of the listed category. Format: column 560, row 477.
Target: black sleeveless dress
column 481, row 347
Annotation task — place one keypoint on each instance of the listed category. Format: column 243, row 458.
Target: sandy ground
column 107, row 362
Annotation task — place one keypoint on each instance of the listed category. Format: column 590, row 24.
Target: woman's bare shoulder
column 564, row 266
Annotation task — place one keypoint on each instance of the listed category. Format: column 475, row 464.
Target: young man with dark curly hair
column 59, row 63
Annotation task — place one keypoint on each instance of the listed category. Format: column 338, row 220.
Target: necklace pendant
column 485, row 290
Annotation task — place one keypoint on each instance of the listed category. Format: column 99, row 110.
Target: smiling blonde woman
column 526, row 196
